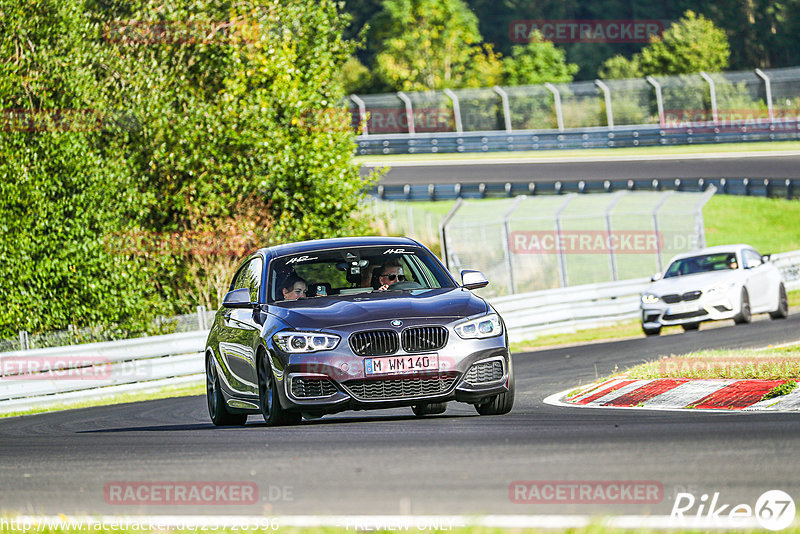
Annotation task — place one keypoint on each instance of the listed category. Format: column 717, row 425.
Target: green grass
column 623, row 330
column 162, row 393
column 779, row 391
column 591, row 152
column 768, row 224
column 771, row 364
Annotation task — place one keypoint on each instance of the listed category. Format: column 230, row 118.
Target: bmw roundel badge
column 397, row 322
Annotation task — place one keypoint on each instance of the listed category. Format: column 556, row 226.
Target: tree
column 432, row 44
column 63, row 191
column 691, row 45
column 537, row 62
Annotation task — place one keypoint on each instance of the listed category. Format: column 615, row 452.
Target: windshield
column 702, row 264
column 337, row 272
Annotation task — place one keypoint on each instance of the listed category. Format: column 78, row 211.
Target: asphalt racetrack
column 389, row 462
column 668, row 166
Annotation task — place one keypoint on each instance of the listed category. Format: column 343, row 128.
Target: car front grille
column 374, row 342
column 312, row 387
column 485, row 372
column 675, row 298
column 423, row 338
column 401, row 388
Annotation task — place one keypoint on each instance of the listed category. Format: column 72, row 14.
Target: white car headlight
column 482, row 327
column 720, row 288
column 649, row 298
column 295, row 342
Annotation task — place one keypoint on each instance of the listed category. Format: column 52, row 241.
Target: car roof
column 719, row 249
column 338, row 242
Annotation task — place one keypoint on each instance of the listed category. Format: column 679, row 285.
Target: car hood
column 329, row 312
column 691, row 282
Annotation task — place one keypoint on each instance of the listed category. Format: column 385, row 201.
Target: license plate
column 398, row 365
column 682, row 308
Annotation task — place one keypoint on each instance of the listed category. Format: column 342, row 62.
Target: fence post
column 562, row 260
column 506, row 232
column 24, row 340
column 362, row 114
column 506, row 107
column 442, row 230
column 659, row 243
column 768, row 90
column 712, row 89
column 612, row 256
column 201, row 317
column 557, row 101
column 659, row 100
column 607, row 96
column 409, row 111
column 456, row 108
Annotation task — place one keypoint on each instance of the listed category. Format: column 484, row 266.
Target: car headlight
column 649, row 298
column 482, row 327
column 295, row 342
column 720, row 288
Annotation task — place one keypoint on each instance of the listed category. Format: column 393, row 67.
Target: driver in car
column 391, row 273
column 294, row 287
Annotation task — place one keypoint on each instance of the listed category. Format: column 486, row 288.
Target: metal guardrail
column 96, row 370
column 50, row 376
column 788, row 188
column 592, row 137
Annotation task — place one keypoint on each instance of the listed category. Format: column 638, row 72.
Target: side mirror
column 656, row 277
column 766, row 257
column 473, row 279
column 238, row 298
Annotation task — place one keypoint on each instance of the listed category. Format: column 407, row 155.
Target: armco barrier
column 591, row 137
column 788, row 188
column 176, row 359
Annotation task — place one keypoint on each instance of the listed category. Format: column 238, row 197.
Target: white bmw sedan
column 724, row 282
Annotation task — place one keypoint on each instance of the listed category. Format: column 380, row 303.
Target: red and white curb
column 681, row 394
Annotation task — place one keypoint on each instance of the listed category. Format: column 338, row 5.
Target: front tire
column 651, row 331
column 499, row 404
column 217, row 410
column 269, row 401
column 783, row 305
column 744, row 316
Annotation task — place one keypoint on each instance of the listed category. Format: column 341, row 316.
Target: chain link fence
column 698, row 100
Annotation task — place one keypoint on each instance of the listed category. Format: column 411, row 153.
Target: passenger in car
column 294, row 287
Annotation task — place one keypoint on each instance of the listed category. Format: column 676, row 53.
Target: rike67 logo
column 773, row 510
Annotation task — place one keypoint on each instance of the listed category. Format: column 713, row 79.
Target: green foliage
column 693, row 44
column 356, row 78
column 620, row 67
column 537, row 62
column 432, row 44
column 781, row 390
column 218, row 132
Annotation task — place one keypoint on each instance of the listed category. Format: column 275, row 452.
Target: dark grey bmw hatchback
column 320, row 327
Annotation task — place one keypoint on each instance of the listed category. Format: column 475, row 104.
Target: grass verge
column 163, row 393
column 769, row 364
column 773, row 146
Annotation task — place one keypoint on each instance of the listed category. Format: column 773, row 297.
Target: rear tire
column 651, row 331
column 783, row 305
column 269, row 401
column 434, row 408
column 217, row 409
column 690, row 326
column 744, row 316
column 500, row 404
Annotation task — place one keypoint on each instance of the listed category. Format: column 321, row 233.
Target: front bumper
column 319, row 385
column 709, row 307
